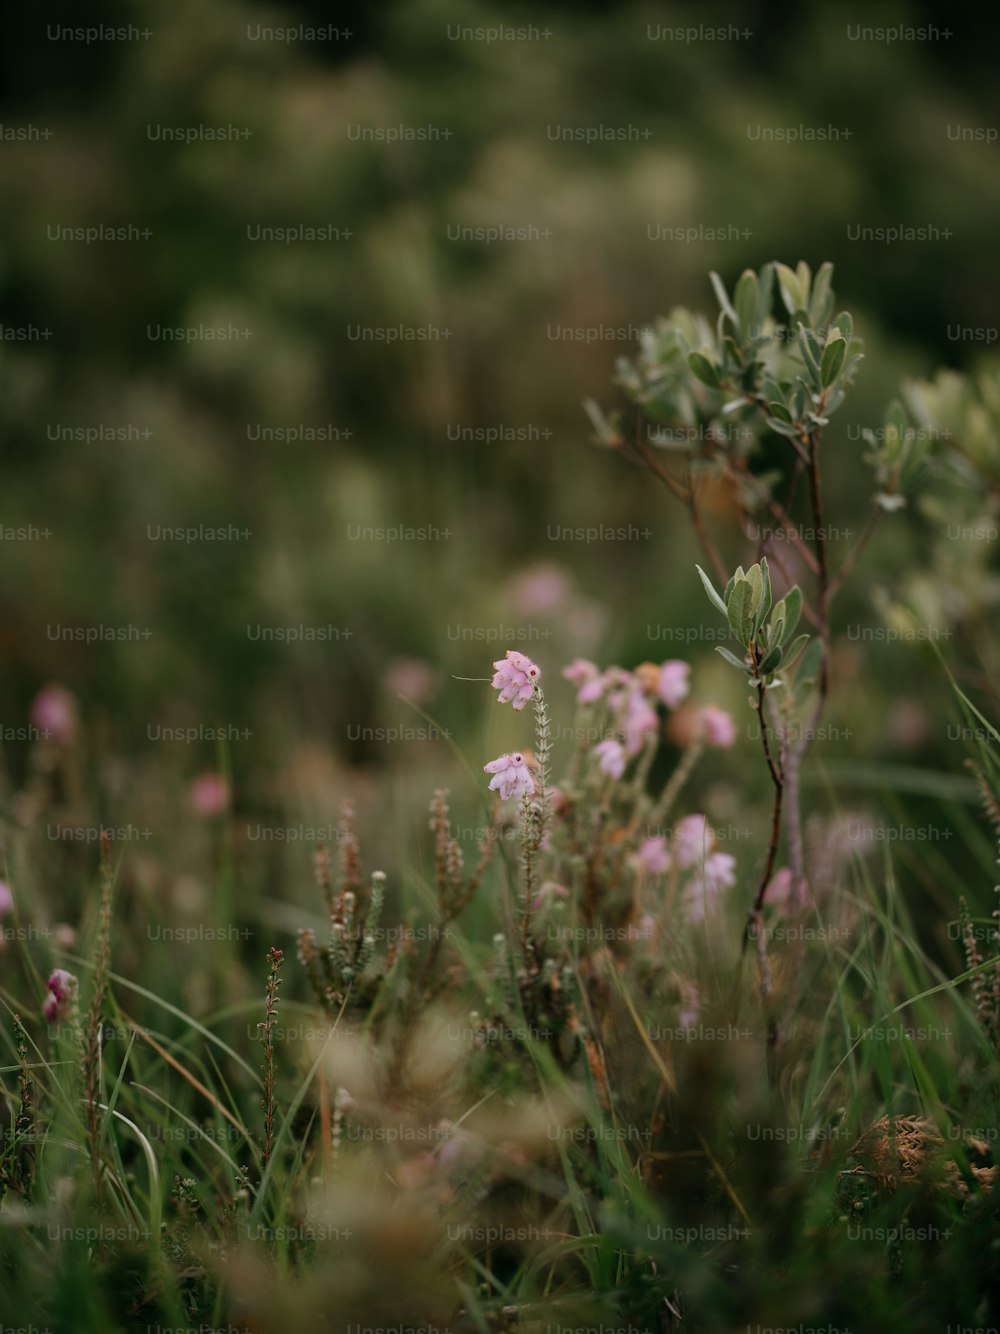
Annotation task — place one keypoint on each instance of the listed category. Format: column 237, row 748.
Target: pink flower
column 693, row 839
column 62, row 991
column 53, row 711
column 718, row 873
column 674, row 682
column 779, row 887
column 591, row 691
column 6, row 898
column 208, row 794
column 641, row 721
column 779, row 891
column 584, row 675
column 515, row 678
column 610, row 757
column 511, row 776
column 653, row 856
column 717, row 727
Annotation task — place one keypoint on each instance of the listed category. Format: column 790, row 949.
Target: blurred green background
column 406, row 434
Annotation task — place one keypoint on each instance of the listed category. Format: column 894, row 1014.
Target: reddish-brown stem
column 777, row 778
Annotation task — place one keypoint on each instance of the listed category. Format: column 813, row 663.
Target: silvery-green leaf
column 739, row 610
column 745, row 300
column 796, row 648
column 766, row 597
column 770, row 662
column 820, row 294
column 791, row 289
column 811, row 661
column 703, row 370
column 791, row 606
column 833, row 360
column 713, row 596
column 723, row 298
column 731, row 658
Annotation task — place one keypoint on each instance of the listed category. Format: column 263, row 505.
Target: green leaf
column 740, row 619
column 766, row 296
column 713, row 596
column 791, row 608
column 780, row 411
column 745, row 299
column 731, row 658
column 731, row 584
column 756, row 577
column 833, row 360
column 781, row 428
column 797, row 647
column 804, row 275
column 703, row 370
column 810, row 352
column 723, row 298
column 766, row 597
column 819, row 297
column 770, row 662
column 845, row 324
column 791, row 289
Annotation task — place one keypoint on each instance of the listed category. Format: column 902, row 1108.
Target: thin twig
column 852, row 557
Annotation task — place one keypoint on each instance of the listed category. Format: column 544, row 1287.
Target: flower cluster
column 516, row 677
column 621, row 717
column 693, row 848
column 511, row 776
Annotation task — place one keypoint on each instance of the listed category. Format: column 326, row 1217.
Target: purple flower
column 511, row 776
column 6, row 898
column 610, row 757
column 515, row 678
column 62, row 991
column 674, row 682
column 654, row 856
